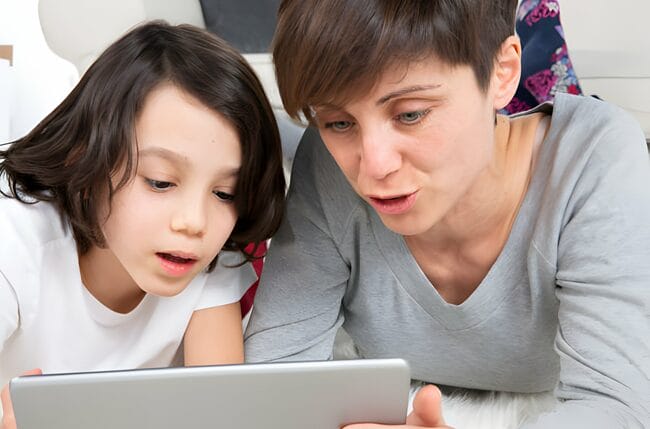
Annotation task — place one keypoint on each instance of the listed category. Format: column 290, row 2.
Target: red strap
column 247, row 300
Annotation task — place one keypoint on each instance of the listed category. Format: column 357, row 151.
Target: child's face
column 169, row 222
column 415, row 144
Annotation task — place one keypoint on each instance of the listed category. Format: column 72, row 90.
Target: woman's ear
column 507, row 72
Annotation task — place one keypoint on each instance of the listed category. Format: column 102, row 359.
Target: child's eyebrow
column 161, row 152
column 173, row 157
column 231, row 173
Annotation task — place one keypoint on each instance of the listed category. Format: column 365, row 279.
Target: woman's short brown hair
column 330, row 51
column 70, row 157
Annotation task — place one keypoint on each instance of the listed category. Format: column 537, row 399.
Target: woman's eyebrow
column 404, row 91
column 326, row 108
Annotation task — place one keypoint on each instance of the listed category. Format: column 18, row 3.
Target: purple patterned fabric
column 546, row 67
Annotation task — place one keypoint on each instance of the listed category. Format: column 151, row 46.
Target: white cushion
column 610, row 50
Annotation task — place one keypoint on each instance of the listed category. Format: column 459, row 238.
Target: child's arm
column 214, row 336
column 8, row 311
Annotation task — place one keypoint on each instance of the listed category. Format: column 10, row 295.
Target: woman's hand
column 8, row 419
column 427, row 412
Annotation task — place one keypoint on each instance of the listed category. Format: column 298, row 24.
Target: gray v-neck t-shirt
column 565, row 306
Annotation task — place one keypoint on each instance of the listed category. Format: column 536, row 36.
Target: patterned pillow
column 546, row 67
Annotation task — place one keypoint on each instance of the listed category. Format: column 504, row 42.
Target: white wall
column 4, row 100
column 38, row 80
column 609, row 46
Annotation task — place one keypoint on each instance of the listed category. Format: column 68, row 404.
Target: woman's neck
column 478, row 226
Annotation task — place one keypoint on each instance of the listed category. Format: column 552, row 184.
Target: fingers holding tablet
column 8, row 417
column 427, row 412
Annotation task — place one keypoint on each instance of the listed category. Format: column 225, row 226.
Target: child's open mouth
column 175, row 264
column 173, row 258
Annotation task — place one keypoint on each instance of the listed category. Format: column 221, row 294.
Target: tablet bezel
column 317, row 395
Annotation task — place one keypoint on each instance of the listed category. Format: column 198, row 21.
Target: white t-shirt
column 49, row 320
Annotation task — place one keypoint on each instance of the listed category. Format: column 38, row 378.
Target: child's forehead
column 167, row 104
column 167, row 95
column 176, row 127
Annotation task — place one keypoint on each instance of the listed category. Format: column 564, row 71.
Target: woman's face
column 415, row 145
column 170, row 221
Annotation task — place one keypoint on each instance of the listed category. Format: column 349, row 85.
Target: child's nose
column 190, row 218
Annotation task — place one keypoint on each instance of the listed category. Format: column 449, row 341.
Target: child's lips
column 176, row 263
column 179, row 254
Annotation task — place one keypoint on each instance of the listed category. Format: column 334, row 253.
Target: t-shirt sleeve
column 297, row 309
column 227, row 283
column 603, row 289
column 8, row 311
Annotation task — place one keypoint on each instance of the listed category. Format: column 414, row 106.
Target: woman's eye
column 159, row 185
column 409, row 118
column 339, row 125
column 224, row 196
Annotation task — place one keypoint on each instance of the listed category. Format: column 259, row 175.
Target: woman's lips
column 395, row 205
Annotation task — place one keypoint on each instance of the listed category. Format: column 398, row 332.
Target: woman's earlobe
column 507, row 72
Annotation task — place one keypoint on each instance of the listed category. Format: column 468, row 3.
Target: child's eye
column 159, row 185
column 338, row 126
column 410, row 118
column 224, row 196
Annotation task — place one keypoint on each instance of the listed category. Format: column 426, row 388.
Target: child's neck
column 107, row 280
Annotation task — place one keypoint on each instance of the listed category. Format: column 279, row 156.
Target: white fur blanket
column 466, row 409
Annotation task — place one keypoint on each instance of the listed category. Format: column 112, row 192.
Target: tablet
column 300, row 395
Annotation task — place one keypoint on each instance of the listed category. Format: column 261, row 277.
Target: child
column 126, row 211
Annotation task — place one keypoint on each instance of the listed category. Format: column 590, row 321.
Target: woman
column 492, row 252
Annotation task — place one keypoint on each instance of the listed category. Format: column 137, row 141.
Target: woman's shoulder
column 596, row 123
column 314, row 164
column 318, row 184
column 594, row 155
column 586, row 133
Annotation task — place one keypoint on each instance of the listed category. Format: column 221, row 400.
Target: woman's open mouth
column 394, row 205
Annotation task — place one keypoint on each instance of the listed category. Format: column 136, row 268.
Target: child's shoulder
column 26, row 228
column 34, row 220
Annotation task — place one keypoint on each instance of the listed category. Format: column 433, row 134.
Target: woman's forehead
column 398, row 78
